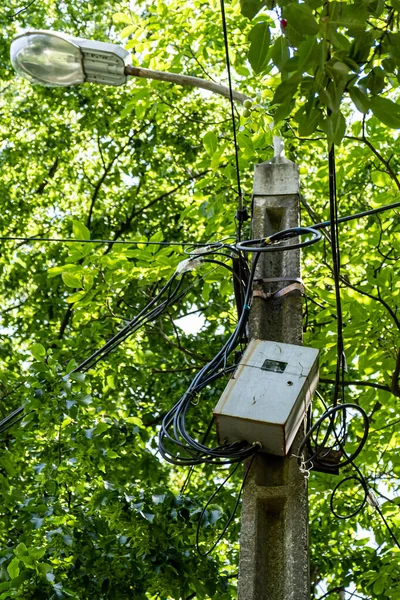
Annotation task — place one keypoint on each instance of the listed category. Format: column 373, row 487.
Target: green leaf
column 286, row 90
column 13, row 568
column 309, row 122
column 245, row 142
column 210, row 142
column 71, row 280
column 361, row 47
column 340, row 69
column 76, row 297
column 101, row 428
column 301, row 18
column 360, row 99
column 305, row 54
column 81, row 232
column 335, row 128
column 120, row 17
column 78, row 377
column 260, row 38
column 280, row 52
column 386, row 111
column 250, row 8
column 157, row 237
column 38, row 351
column 128, row 30
column 112, row 454
column 379, row 586
column 338, row 127
column 37, row 553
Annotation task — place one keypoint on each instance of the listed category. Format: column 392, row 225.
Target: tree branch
column 377, row 298
column 100, row 182
column 378, row 155
column 136, row 212
column 395, row 388
column 50, row 175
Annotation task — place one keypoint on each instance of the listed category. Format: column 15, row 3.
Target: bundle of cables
column 176, row 444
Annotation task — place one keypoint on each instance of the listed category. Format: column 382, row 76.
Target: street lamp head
column 55, row 59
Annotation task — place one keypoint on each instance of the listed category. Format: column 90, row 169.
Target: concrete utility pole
column 274, row 551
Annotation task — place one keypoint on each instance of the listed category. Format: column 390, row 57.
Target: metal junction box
column 268, row 395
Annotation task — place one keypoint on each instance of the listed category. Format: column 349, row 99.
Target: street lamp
column 56, row 59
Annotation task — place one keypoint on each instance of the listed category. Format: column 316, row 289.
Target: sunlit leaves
column 82, row 485
column 387, row 111
column 210, row 142
column 80, row 231
column 38, row 351
column 13, row 568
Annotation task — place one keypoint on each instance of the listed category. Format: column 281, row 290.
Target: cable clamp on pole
column 294, row 287
column 242, row 215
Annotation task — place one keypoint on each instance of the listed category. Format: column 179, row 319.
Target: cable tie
column 372, row 499
column 242, row 215
column 344, row 363
column 267, row 240
column 246, row 307
column 189, row 264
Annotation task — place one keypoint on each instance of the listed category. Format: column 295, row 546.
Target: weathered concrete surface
column 274, row 548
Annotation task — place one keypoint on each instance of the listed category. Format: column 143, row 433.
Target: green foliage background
column 88, row 509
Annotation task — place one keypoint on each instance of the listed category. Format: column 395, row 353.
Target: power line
column 241, row 214
column 335, row 250
column 11, row 238
column 360, row 215
column 321, row 225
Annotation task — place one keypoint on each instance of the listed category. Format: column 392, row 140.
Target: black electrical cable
column 144, row 316
column 137, row 322
column 390, row 530
column 321, row 225
column 228, row 67
column 10, row 238
column 233, row 512
column 366, row 497
column 271, row 244
column 173, row 430
column 349, row 460
column 330, row 414
column 358, row 507
column 335, row 251
column 205, row 248
column 191, row 468
column 360, row 215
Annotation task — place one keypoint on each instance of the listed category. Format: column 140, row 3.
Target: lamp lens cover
column 47, row 58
